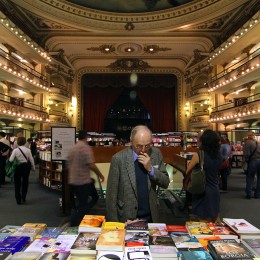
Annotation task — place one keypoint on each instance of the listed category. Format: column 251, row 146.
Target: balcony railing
column 58, row 117
column 239, row 66
column 17, row 107
column 59, row 89
column 19, row 69
column 234, row 103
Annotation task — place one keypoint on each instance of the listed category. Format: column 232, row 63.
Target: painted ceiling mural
column 130, row 6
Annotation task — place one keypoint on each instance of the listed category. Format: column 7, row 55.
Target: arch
column 77, row 88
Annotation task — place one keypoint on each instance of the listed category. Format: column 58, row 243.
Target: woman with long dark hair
column 206, row 206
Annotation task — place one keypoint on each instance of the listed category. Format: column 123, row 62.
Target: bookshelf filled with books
column 50, row 172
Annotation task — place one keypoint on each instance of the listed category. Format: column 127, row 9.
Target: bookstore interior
column 179, row 67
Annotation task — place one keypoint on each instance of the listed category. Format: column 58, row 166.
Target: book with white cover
column 253, row 245
column 140, row 252
column 25, row 256
column 103, row 255
column 241, row 226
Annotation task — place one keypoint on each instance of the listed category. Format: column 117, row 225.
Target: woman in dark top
column 206, row 206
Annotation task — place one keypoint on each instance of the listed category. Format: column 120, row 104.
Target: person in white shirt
column 22, row 172
column 4, row 152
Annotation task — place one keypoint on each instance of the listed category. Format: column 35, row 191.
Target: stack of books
column 91, row 223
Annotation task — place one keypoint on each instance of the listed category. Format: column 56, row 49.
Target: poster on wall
column 62, row 139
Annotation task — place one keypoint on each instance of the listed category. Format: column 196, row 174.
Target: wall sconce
column 187, row 109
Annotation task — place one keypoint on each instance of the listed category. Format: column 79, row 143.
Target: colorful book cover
column 111, row 240
column 113, row 225
column 35, row 225
column 91, row 223
column 187, row 255
column 85, row 243
column 28, row 231
column 63, row 243
column 229, row 249
column 157, row 229
column 222, row 230
column 162, row 245
column 70, row 231
column 204, row 241
column 241, row 226
column 50, row 232
column 136, row 225
column 198, row 229
column 8, row 230
column 13, row 243
column 136, row 238
column 41, row 245
column 177, row 228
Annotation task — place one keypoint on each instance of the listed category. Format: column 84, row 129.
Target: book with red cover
column 176, row 228
column 136, row 238
column 222, row 230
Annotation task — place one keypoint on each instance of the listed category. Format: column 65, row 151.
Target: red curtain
column 158, row 101
column 97, row 101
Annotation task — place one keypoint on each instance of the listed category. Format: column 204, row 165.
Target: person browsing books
column 252, row 157
column 134, row 175
column 22, row 171
column 80, row 162
column 206, row 206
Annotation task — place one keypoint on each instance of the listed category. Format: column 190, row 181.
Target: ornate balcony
column 59, row 92
column 21, row 110
column 199, row 91
column 14, row 71
column 58, row 118
column 241, row 109
column 199, row 120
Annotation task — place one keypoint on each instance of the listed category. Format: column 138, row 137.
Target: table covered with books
column 96, row 238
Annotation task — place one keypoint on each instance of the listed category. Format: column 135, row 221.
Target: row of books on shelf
column 96, row 238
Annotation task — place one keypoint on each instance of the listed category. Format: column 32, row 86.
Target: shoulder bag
column 246, row 162
column 27, row 159
column 10, row 167
column 195, row 181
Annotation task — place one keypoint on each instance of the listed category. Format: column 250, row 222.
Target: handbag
column 10, row 167
column 194, row 181
column 225, row 164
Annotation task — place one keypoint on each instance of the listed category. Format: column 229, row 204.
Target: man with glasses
column 134, row 175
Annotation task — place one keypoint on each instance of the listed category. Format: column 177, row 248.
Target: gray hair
column 138, row 128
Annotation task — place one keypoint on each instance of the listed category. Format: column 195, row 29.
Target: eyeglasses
column 141, row 147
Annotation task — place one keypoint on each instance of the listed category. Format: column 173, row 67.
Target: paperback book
column 229, row 249
column 103, row 255
column 198, row 229
column 85, row 243
column 28, row 232
column 41, row 245
column 241, row 226
column 8, row 230
column 162, row 246
column 113, row 240
column 187, row 255
column 55, row 255
column 205, row 240
column 25, row 256
column 13, row 244
column 140, row 252
column 222, row 230
column 136, row 225
column 136, row 238
column 50, row 232
column 113, row 225
column 253, row 244
column 91, row 223
column 157, row 229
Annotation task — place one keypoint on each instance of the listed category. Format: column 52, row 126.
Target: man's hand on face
column 145, row 160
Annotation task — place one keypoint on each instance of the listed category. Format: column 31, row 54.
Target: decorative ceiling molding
column 129, row 64
column 151, row 49
column 105, row 48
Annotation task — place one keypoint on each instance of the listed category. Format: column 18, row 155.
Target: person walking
column 135, row 174
column 4, row 153
column 80, row 163
column 22, row 171
column 252, row 157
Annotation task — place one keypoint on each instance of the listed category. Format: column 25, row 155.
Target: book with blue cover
column 13, row 244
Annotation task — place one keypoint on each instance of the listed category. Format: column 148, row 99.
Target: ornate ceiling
column 170, row 34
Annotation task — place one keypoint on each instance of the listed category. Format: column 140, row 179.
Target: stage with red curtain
column 156, row 92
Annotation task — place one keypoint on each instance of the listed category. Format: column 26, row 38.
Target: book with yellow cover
column 35, row 225
column 112, row 240
column 113, row 225
column 198, row 229
column 91, row 223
